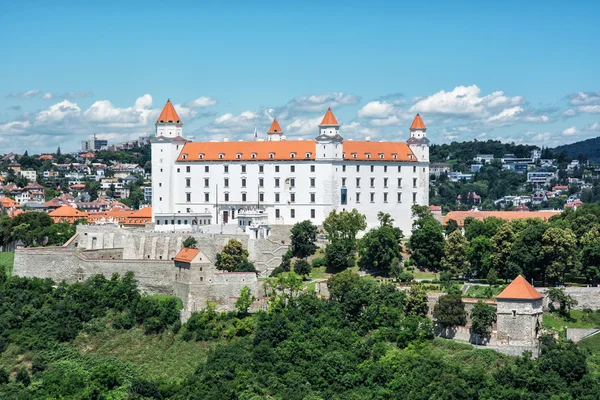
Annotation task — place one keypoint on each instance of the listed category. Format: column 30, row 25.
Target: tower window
column 271, row 155
column 221, row 155
column 201, row 156
column 307, row 155
column 253, row 155
column 238, row 155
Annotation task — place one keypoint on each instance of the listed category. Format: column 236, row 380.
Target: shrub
column 124, row 320
column 176, row 327
column 4, row 376
column 23, row 376
column 405, row 276
column 318, row 262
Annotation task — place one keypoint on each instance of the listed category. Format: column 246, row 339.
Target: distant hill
column 590, row 148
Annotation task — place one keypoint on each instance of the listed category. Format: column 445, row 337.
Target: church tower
column 329, row 141
column 275, row 133
column 168, row 123
column 418, row 142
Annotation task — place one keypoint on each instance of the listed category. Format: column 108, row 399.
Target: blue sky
column 517, row 71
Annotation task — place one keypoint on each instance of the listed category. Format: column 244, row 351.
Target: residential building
column 541, row 177
column 94, row 144
column 290, row 181
column 459, row 176
column 483, row 158
column 438, row 169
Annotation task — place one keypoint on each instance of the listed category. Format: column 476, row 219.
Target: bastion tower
column 519, row 314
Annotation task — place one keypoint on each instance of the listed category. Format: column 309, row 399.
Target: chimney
column 368, row 139
column 226, row 139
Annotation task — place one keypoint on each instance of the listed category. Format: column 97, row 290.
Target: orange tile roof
column 460, row 216
column 7, row 202
column 275, row 128
column 145, row 212
column 67, row 211
column 282, row 150
column 46, row 157
column 168, row 114
column 559, row 187
column 329, row 119
column 374, row 151
column 520, row 289
column 418, row 123
column 186, row 255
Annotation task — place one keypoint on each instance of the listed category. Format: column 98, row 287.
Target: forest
column 366, row 341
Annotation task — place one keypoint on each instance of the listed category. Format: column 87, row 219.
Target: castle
column 204, row 183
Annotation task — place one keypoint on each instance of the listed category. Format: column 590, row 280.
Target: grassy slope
column 7, row 259
column 480, row 291
column 159, row 356
column 556, row 322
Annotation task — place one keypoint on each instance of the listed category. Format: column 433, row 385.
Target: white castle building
column 286, row 181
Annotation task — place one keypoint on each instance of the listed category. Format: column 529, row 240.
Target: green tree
column 416, row 302
column 449, row 311
column 302, row 267
column 341, row 284
column 50, row 193
column 559, row 249
column 304, row 236
column 564, row 300
column 451, row 226
column 344, row 225
column 339, row 256
column 245, row 300
column 483, row 317
column 396, row 269
column 23, row 376
column 455, row 258
column 502, row 243
column 479, row 253
column 190, row 243
column 590, row 255
column 380, row 247
column 232, row 256
column 427, row 244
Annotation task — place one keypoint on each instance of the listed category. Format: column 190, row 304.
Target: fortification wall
column 58, row 264
column 587, row 297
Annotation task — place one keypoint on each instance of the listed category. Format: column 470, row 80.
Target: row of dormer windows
column 261, row 168
column 293, row 155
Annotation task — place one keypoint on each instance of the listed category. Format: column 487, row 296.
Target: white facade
column 332, row 174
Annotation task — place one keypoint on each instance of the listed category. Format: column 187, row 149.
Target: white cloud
column 506, row 114
column 584, row 98
column 537, row 119
column 464, row 101
column 302, row 126
column 105, row 113
column 393, row 120
column 570, row 131
column 58, row 112
column 47, row 96
column 377, row 109
column 200, row 102
column 26, row 95
column 590, row 109
column 569, row 113
column 303, row 105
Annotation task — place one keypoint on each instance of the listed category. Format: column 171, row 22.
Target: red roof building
column 519, row 289
column 418, row 124
column 168, row 115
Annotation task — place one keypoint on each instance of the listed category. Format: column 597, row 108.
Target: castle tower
column 519, row 314
column 168, row 123
column 329, row 141
column 275, row 133
column 418, row 142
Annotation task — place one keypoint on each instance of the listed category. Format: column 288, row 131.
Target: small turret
column 168, row 123
column 275, row 133
column 418, row 142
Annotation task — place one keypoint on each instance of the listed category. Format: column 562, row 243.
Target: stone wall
column 587, row 297
column 577, row 334
column 58, row 264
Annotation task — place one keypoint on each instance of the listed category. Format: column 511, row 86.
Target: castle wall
column 60, row 264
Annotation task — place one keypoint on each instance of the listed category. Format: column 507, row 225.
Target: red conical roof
column 275, row 128
column 329, row 119
column 418, row 123
column 520, row 289
column 168, row 115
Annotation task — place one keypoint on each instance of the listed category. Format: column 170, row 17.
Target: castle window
column 253, row 155
column 307, row 155
column 201, row 156
column 238, row 155
column 394, row 156
column 514, row 313
column 380, row 155
column 368, row 155
column 344, row 155
column 184, row 156
column 271, row 155
column 292, row 155
column 353, row 155
column 312, row 168
column 187, row 169
column 243, row 169
column 221, row 155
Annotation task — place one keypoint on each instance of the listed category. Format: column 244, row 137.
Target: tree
column 451, row 226
column 455, row 258
column 232, row 256
column 526, row 253
column 395, row 269
column 23, row 376
column 302, row 267
column 380, row 247
column 50, row 193
column 58, row 153
column 483, row 317
column 304, row 236
column 502, row 243
column 449, row 311
column 479, row 253
column 427, row 244
column 564, row 300
column 245, row 300
column 341, row 284
column 344, row 225
column 590, row 255
column 416, row 302
column 190, row 243
column 338, row 256
column 559, row 247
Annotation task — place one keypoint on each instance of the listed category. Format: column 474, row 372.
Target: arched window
column 368, row 155
column 253, row 155
column 184, row 156
column 380, row 155
column 292, row 155
column 222, row 155
column 353, row 155
column 271, row 155
column 201, row 155
column 238, row 155
column 308, row 155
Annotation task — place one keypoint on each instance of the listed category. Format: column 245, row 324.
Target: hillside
column 590, row 148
